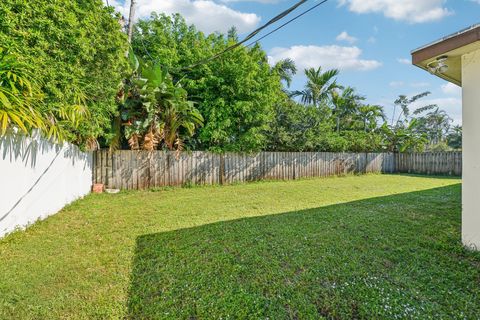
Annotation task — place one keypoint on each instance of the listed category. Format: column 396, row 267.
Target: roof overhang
column 453, row 47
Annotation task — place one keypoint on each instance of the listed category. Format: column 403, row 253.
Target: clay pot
column 98, row 188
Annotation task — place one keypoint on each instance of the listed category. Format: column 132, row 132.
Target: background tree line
column 247, row 105
column 63, row 70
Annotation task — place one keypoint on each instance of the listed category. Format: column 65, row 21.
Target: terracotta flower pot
column 98, row 188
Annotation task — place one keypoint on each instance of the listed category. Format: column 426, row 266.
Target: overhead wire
column 250, row 36
column 286, row 23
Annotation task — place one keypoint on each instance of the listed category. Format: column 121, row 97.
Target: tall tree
column 285, row 69
column 454, row 137
column 369, row 115
column 436, row 124
column 320, row 86
column 131, row 19
column 405, row 132
column 345, row 105
column 403, row 104
column 235, row 93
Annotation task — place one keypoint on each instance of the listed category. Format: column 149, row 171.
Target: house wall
column 38, row 178
column 471, row 150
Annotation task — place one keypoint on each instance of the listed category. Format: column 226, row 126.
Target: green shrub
column 76, row 50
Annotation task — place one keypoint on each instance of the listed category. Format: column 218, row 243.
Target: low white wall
column 38, row 178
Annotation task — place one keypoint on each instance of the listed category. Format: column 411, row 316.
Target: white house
column 456, row 58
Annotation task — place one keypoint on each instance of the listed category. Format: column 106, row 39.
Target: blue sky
column 369, row 40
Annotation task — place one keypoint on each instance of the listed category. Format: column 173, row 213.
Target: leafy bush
column 360, row 141
column 76, row 51
column 155, row 111
column 235, row 94
column 18, row 96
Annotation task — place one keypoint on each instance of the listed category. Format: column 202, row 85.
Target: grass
column 338, row 248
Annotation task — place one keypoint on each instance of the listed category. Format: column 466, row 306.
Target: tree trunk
column 131, row 17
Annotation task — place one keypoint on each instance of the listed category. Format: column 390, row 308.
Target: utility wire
column 250, row 36
column 286, row 23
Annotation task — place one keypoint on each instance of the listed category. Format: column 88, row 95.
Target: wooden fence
column 435, row 163
column 142, row 170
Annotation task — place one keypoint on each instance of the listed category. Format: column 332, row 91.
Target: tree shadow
column 386, row 257
column 16, row 147
column 18, row 150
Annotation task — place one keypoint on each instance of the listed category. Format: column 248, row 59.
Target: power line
column 286, row 23
column 250, row 36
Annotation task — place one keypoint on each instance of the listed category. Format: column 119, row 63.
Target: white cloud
column 260, row 1
column 419, row 84
column 344, row 36
column 396, row 84
column 451, row 89
column 328, row 57
column 372, row 40
column 206, row 15
column 412, row 11
column 404, row 61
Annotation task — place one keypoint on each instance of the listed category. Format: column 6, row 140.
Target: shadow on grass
column 397, row 256
column 430, row 176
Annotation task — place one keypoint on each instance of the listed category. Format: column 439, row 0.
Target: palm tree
column 437, row 123
column 320, row 86
column 454, row 137
column 403, row 103
column 345, row 104
column 285, row 69
column 369, row 115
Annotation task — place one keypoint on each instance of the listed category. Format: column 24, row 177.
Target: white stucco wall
column 38, row 178
column 471, row 150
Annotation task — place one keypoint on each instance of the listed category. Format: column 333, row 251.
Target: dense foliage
column 75, row 53
column 235, row 94
column 247, row 105
column 21, row 103
column 155, row 111
column 64, row 70
column 17, row 96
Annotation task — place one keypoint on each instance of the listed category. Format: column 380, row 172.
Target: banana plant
column 155, row 111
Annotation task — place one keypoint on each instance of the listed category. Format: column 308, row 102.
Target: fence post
column 395, row 162
column 221, row 168
column 95, row 167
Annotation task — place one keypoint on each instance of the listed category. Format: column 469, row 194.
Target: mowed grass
column 375, row 246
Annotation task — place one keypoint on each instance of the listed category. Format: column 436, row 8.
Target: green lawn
column 338, row 248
